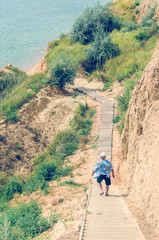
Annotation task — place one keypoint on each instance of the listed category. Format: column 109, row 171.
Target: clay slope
column 48, row 112
column 145, row 4
column 140, row 138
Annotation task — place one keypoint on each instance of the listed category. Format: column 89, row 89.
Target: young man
column 102, row 172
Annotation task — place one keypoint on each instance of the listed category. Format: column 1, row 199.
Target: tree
column 102, row 49
column 91, row 19
column 62, row 71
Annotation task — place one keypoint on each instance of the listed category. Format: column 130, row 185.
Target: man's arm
column 93, row 173
column 113, row 175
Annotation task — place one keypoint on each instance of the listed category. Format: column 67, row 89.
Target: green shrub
column 8, row 81
column 3, row 206
column 123, row 101
column 147, row 33
column 91, row 112
column 81, row 122
column 92, row 19
column 137, row 11
column 24, row 222
column 13, row 186
column 53, row 44
column 130, row 26
column 34, row 183
column 64, row 143
column 46, row 170
column 62, row 71
column 62, row 36
column 102, row 50
column 63, row 171
column 116, row 119
column 137, row 3
column 12, row 117
column 122, row 122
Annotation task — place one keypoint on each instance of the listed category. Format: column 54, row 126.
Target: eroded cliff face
column 146, row 4
column 140, row 145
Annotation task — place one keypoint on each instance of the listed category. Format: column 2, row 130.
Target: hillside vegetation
column 106, row 43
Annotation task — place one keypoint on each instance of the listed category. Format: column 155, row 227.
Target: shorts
column 107, row 179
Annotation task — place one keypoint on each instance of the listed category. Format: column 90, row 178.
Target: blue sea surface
column 26, row 27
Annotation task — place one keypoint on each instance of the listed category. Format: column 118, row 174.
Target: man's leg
column 107, row 183
column 99, row 181
column 107, row 190
column 101, row 188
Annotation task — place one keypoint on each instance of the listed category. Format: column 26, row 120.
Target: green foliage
column 62, row 71
column 34, row 183
column 147, row 33
column 66, row 47
column 53, row 44
column 13, row 186
column 8, row 81
column 23, row 222
column 46, row 170
column 132, row 59
column 63, row 171
column 130, row 26
column 92, row 19
column 137, row 3
column 18, row 146
column 3, row 206
column 102, row 49
column 64, row 143
column 81, row 122
column 15, row 69
column 123, row 103
column 124, row 9
column 137, row 11
column 25, row 91
column 91, row 112
column 62, row 36
column 70, row 182
column 116, row 119
column 127, row 72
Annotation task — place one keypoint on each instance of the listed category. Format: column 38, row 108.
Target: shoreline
column 36, row 63
column 39, row 67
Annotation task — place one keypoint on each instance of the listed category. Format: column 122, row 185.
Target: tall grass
column 124, row 8
column 81, row 122
column 66, row 47
column 23, row 222
column 132, row 60
column 8, row 81
column 21, row 95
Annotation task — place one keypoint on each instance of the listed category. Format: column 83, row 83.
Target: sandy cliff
column 145, row 4
column 140, row 140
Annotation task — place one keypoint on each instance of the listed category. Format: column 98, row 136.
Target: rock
column 140, row 140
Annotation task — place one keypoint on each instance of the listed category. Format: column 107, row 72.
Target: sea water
column 26, row 27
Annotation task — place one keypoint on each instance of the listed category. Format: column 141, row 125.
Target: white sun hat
column 103, row 154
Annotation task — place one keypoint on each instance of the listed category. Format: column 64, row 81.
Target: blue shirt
column 102, row 168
